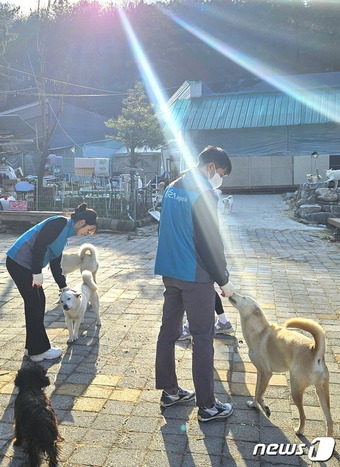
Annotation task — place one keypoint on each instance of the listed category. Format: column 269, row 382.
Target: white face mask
column 216, row 180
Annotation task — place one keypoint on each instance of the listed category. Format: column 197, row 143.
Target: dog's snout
column 66, row 307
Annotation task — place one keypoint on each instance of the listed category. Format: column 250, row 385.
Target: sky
column 26, row 5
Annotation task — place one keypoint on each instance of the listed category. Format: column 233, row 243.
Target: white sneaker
column 50, row 354
column 26, row 354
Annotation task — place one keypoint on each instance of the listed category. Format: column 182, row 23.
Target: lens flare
column 155, row 91
column 292, row 86
column 158, row 98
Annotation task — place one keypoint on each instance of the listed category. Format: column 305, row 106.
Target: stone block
column 318, row 217
column 301, row 202
column 326, row 194
column 307, row 209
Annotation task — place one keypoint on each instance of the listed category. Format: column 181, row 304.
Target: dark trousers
column 198, row 300
column 218, row 305
column 34, row 301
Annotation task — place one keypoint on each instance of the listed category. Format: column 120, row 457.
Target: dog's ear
column 78, row 295
column 257, row 310
column 45, row 382
column 42, row 380
column 18, row 380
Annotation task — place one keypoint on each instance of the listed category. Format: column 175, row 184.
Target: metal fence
column 107, row 203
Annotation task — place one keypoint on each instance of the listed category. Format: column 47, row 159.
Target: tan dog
column 273, row 348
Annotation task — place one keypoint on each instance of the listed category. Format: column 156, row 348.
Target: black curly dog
column 36, row 426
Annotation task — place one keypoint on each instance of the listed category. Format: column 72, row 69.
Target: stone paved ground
column 103, row 387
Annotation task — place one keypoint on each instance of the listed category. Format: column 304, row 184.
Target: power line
column 108, row 92
column 65, row 82
column 60, row 126
column 74, row 95
column 13, row 91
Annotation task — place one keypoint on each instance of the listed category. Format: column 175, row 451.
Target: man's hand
column 228, row 289
column 38, row 280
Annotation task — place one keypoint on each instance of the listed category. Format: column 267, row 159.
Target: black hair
column 82, row 212
column 216, row 155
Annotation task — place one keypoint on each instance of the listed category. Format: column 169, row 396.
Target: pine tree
column 137, row 126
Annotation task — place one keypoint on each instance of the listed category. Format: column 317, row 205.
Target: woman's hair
column 82, row 212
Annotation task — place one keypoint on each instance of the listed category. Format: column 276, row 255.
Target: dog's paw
column 267, row 410
column 252, row 405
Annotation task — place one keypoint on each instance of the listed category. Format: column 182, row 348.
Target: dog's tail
column 229, row 197
column 88, row 280
column 87, row 247
column 33, row 451
column 313, row 328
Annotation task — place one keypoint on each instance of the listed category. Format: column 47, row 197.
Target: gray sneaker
column 186, row 334
column 167, row 400
column 221, row 328
column 218, row 410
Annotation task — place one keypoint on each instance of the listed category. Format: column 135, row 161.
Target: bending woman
column 42, row 244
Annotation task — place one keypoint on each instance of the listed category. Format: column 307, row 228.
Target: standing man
column 190, row 257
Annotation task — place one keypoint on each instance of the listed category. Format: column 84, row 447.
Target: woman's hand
column 228, row 289
column 38, row 280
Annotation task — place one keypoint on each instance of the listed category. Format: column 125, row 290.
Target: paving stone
column 157, row 458
column 125, row 394
column 89, row 455
column 104, row 390
column 68, row 389
column 89, row 404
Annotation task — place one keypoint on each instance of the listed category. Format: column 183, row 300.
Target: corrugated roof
column 185, row 91
column 245, row 110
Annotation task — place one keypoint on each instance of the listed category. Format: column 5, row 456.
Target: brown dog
column 273, row 348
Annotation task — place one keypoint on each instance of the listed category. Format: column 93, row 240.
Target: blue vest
column 176, row 253
column 22, row 250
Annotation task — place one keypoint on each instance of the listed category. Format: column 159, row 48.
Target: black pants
column 218, row 305
column 34, row 300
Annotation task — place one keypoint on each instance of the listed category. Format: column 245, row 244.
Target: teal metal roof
column 247, row 110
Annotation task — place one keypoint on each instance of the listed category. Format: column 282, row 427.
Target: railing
column 114, row 204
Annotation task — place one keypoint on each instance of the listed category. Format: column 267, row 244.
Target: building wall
column 277, row 156
column 307, row 165
column 148, row 163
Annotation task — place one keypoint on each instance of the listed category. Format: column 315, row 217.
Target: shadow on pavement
column 174, row 433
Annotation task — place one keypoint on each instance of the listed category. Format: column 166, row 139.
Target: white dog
column 74, row 304
column 228, row 203
column 333, row 175
column 81, row 260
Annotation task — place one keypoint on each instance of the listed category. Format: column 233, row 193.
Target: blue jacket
column 190, row 247
column 22, row 250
